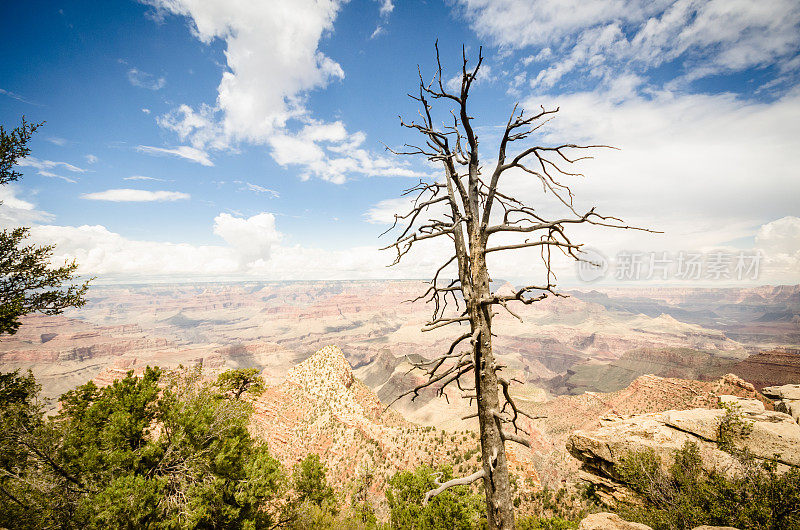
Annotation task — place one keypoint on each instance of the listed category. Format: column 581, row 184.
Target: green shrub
column 156, row 451
column 686, row 496
column 457, row 508
column 544, row 523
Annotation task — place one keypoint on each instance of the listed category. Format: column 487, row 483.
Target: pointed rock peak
column 506, row 289
column 733, row 380
column 329, row 364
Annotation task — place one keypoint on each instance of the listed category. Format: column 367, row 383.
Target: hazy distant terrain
column 583, row 359
column 593, row 340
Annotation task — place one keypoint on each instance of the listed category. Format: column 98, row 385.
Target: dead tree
column 475, row 211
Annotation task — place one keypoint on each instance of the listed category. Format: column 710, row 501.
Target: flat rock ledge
column 786, row 398
column 612, row 521
column 773, row 436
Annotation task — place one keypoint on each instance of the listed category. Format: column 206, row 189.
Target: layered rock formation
column 566, row 414
column 778, row 366
column 769, row 435
column 369, row 319
column 787, row 399
column 322, row 408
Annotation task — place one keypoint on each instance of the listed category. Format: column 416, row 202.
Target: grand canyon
column 336, row 356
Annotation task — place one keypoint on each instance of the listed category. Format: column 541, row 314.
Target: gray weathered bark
column 468, row 203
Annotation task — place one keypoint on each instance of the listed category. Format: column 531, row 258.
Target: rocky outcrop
column 612, row 521
column 772, row 436
column 787, row 399
column 322, row 408
column 609, row 521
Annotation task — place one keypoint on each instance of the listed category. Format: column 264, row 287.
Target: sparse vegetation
column 234, row 383
column 685, row 496
column 731, row 428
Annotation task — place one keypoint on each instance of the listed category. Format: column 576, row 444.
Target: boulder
column 609, row 521
column 787, row 399
column 744, row 404
column 612, row 521
column 782, row 392
column 602, row 450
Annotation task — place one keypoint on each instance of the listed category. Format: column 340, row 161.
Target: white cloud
column 52, row 175
column 141, row 177
column 780, row 237
column 18, row 212
column 99, row 251
column 145, row 80
column 199, row 127
column 61, row 142
column 146, row 110
column 130, row 195
column 708, row 170
column 779, row 241
column 30, row 161
column 252, row 237
column 182, row 151
column 327, row 151
column 16, row 96
column 91, row 159
column 253, row 249
column 261, row 189
column 387, row 6
column 272, row 57
column 602, row 38
column 273, row 63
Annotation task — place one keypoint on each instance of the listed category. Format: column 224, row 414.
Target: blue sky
column 225, row 139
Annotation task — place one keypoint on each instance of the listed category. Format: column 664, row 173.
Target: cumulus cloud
column 327, row 151
column 252, row 249
column 779, row 241
column 182, row 151
column 130, row 195
column 110, row 255
column 603, row 37
column 101, row 252
column 15, row 211
column 690, row 157
column 272, row 57
column 707, row 170
column 252, row 237
column 273, row 63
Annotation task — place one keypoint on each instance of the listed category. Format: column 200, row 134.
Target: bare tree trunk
column 493, row 452
column 467, row 221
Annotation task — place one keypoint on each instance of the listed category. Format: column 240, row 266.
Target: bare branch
column 462, row 481
column 511, row 437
